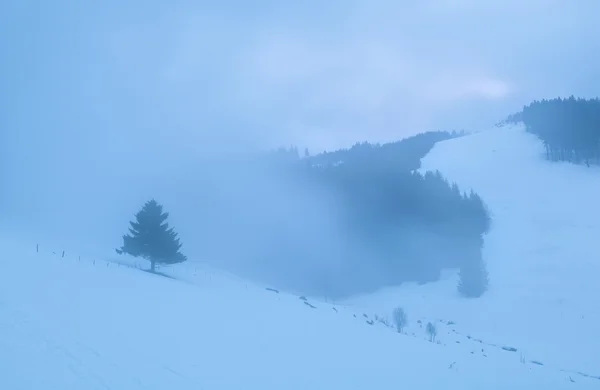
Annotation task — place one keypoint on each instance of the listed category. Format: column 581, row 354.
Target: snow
column 542, row 252
column 88, row 323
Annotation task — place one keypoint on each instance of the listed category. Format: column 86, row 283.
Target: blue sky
column 100, row 90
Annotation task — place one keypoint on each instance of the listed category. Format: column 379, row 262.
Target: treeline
column 407, row 226
column 405, row 154
column 569, row 128
column 347, row 222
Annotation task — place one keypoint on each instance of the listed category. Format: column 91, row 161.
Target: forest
column 569, row 128
column 345, row 222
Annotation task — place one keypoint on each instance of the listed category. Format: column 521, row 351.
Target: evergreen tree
column 473, row 280
column 151, row 238
column 569, row 128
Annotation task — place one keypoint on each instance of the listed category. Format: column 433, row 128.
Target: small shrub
column 431, row 331
column 400, row 319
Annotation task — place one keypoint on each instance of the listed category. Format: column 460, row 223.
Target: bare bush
column 400, row 319
column 431, row 331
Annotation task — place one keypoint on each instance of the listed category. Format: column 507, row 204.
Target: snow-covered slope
column 71, row 323
column 542, row 252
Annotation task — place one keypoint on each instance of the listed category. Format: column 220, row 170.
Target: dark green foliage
column 569, row 128
column 151, row 238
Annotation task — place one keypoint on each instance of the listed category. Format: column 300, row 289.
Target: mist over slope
column 336, row 223
column 329, row 224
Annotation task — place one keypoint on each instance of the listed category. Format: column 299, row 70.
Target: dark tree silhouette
column 473, row 276
column 404, row 155
column 569, row 128
column 151, row 238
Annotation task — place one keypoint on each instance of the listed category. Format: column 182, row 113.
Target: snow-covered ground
column 71, row 323
column 543, row 253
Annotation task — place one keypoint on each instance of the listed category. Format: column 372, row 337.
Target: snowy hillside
column 85, row 323
column 88, row 324
column 542, row 254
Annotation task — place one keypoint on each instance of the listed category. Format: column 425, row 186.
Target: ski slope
column 542, row 253
column 87, row 323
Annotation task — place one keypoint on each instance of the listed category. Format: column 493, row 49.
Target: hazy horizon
column 102, row 101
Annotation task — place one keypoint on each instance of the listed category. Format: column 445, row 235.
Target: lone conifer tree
column 151, row 238
column 473, row 278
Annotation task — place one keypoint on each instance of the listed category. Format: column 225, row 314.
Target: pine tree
column 151, row 238
column 473, row 278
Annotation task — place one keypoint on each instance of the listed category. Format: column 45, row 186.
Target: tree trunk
column 152, row 265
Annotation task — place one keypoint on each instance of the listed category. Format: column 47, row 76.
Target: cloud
column 382, row 69
column 100, row 94
column 278, row 73
column 470, row 88
column 355, row 88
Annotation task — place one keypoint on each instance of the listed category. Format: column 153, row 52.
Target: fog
column 105, row 106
